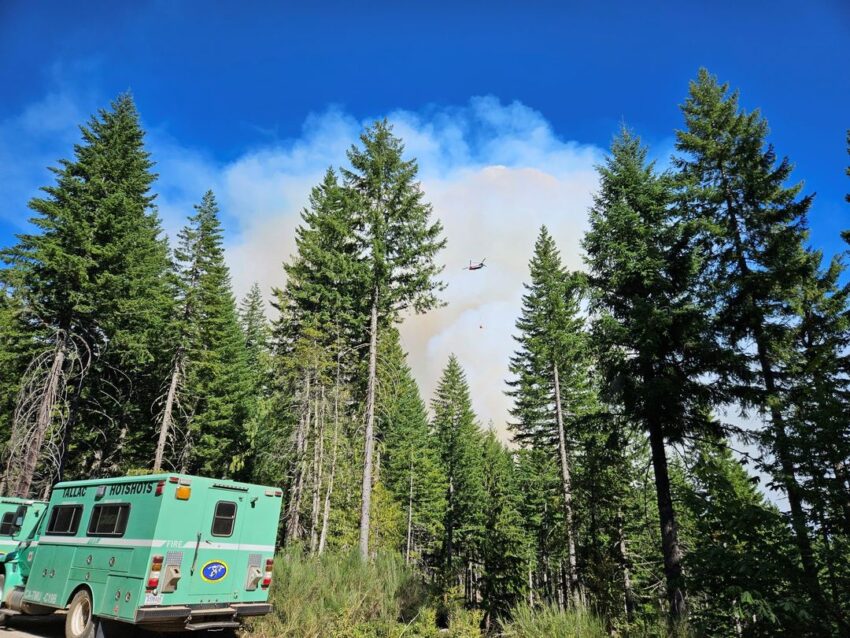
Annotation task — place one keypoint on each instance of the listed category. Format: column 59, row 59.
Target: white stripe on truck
column 147, row 542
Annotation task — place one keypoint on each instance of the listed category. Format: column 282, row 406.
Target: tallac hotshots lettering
column 120, row 489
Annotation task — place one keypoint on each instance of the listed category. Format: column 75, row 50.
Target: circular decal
column 214, row 571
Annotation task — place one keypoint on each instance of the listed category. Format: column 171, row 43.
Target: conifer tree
column 209, row 354
column 315, row 339
column 551, row 389
column 94, row 275
column 740, row 552
column 398, row 243
column 460, row 442
column 326, row 282
column 755, row 229
column 538, row 480
column 505, row 544
column 411, row 467
column 649, row 328
column 257, row 332
column 16, row 349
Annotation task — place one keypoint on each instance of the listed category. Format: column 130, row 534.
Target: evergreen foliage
column 702, row 297
column 650, row 326
column 411, row 467
column 460, row 444
column 754, row 228
column 92, row 283
column 398, row 243
column 217, row 381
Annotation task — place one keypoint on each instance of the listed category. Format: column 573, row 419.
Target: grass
column 332, row 594
column 339, row 596
column 550, row 622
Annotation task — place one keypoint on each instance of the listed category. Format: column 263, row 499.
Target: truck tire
column 80, row 621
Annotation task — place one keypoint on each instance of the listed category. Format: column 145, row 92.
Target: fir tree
column 649, row 330
column 460, row 442
column 411, row 467
column 505, row 544
column 257, row 332
column 398, row 243
column 755, row 229
column 16, row 351
column 326, row 282
column 95, row 275
column 538, row 480
column 740, row 553
column 552, row 391
column 316, row 337
column 209, row 353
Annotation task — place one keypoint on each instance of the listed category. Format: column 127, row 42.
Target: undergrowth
column 339, row 596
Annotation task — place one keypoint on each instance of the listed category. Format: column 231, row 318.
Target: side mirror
column 18, row 520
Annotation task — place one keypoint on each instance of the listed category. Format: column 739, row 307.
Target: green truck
column 18, row 518
column 167, row 552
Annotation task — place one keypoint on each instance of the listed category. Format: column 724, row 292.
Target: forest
column 678, row 459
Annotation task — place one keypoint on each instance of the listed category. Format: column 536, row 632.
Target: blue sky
column 508, row 106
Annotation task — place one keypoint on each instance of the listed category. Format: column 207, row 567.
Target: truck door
column 218, row 562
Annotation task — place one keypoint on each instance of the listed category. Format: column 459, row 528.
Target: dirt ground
column 53, row 626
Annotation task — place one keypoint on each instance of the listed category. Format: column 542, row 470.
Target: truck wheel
column 80, row 623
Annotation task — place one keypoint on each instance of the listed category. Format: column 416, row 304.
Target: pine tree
column 411, row 467
column 755, row 229
column 649, row 328
column 460, row 442
column 94, row 276
column 398, row 243
column 552, row 387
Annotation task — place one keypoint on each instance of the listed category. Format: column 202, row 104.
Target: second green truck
column 167, row 552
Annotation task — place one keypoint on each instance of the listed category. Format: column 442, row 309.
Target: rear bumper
column 200, row 616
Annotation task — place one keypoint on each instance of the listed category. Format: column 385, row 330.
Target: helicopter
column 475, row 266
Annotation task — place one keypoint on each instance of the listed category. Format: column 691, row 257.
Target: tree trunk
column 782, row 450
column 566, row 491
column 628, row 593
column 366, row 492
column 294, row 509
column 168, row 411
column 781, row 447
column 669, row 531
column 326, row 513
column 318, row 461
column 46, row 409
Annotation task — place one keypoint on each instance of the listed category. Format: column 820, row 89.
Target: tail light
column 153, row 575
column 160, row 487
column 267, row 577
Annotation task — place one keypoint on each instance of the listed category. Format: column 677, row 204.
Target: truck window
column 64, row 520
column 224, row 518
column 6, row 523
column 109, row 520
